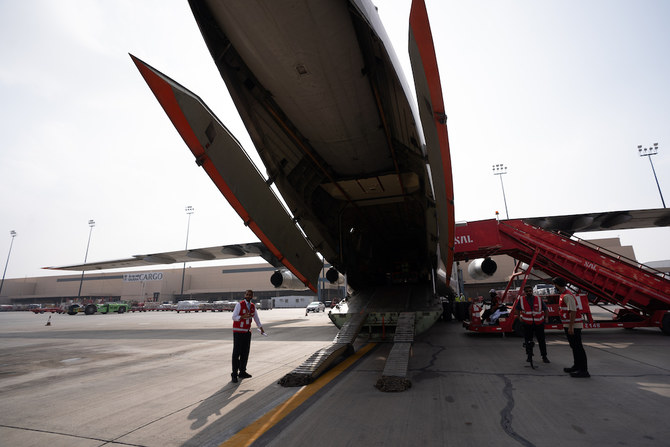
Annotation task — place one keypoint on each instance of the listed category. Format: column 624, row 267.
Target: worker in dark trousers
column 448, row 305
column 533, row 314
column 571, row 317
column 244, row 312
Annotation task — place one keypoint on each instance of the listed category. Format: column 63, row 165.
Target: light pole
column 500, row 169
column 91, row 223
column 189, row 211
column 13, row 234
column 648, row 152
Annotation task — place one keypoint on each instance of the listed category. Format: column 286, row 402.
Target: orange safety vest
column 565, row 312
column 244, row 324
column 534, row 314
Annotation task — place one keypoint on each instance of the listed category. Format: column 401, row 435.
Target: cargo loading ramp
column 318, row 362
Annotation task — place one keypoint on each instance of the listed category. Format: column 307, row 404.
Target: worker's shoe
column 245, row 375
column 580, row 374
column 233, row 378
column 570, row 370
column 545, row 359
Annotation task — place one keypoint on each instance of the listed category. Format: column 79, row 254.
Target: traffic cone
column 48, row 321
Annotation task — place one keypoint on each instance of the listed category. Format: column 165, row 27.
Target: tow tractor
column 641, row 294
column 89, row 309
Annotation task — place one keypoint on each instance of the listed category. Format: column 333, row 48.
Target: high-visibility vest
column 533, row 314
column 565, row 312
column 244, row 324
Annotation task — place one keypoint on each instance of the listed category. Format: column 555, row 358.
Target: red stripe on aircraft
column 167, row 99
column 165, row 96
column 423, row 37
column 227, row 192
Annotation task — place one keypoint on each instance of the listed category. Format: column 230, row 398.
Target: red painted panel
column 475, row 236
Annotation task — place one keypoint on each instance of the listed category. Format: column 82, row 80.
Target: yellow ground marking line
column 249, row 434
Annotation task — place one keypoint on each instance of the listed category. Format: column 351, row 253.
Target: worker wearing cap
column 244, row 312
column 533, row 314
column 571, row 318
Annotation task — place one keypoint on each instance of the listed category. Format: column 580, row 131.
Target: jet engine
column 482, row 268
column 332, row 275
column 286, row 280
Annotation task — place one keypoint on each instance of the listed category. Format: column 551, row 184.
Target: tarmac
column 163, row 379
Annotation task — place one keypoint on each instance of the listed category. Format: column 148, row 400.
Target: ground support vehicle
column 227, row 306
column 189, row 306
column 89, row 309
column 53, row 310
column 144, row 307
column 641, row 293
column 510, row 323
column 152, row 307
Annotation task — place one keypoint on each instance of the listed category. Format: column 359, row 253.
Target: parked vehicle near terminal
column 544, row 289
column 104, row 308
column 316, row 306
column 188, row 306
column 228, row 306
column 50, row 309
column 200, row 306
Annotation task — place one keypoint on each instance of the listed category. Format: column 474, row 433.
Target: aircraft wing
column 231, row 170
column 434, row 123
column 171, row 257
column 602, row 221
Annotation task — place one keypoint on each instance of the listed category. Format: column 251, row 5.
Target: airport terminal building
column 216, row 283
column 156, row 285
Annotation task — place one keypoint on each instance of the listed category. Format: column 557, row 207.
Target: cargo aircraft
column 361, row 159
column 363, row 167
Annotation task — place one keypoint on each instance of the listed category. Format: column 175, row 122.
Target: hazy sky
column 562, row 92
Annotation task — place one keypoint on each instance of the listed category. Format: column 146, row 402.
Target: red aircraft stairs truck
column 641, row 293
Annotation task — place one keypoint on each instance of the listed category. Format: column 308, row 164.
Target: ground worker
column 244, row 312
column 571, row 317
column 533, row 314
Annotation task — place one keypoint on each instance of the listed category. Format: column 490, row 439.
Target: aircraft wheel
column 72, row 310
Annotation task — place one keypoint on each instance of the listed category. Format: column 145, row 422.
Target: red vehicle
column 641, row 294
column 53, row 310
column 509, row 322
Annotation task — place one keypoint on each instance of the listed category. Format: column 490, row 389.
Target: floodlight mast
column 13, row 234
column 500, row 170
column 648, row 152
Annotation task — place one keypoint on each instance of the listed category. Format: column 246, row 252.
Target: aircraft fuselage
column 324, row 101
